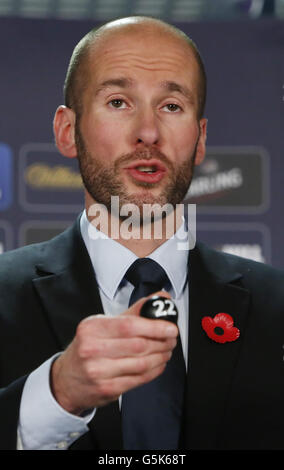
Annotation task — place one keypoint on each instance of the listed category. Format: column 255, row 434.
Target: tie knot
column 146, row 271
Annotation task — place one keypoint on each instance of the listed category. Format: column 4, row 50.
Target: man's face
column 138, row 135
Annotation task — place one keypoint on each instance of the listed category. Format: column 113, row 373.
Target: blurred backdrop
column 238, row 189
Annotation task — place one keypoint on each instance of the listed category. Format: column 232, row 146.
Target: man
column 135, row 94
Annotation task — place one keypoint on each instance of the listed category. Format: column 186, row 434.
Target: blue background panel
column 6, row 176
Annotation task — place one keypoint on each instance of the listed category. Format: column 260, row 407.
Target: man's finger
column 103, row 369
column 125, row 326
column 115, row 348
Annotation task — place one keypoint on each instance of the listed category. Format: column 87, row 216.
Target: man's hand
column 110, row 355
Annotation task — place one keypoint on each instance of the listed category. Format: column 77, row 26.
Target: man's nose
column 146, row 128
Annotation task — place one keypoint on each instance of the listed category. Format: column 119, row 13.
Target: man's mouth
column 147, row 169
column 148, row 172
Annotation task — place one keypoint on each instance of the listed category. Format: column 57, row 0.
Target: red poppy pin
column 220, row 328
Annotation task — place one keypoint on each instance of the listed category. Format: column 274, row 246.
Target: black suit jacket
column 235, row 391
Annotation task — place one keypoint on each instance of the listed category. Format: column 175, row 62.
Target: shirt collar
column 111, row 260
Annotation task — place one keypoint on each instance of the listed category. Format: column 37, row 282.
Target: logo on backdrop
column 231, row 179
column 6, row 177
column 48, row 181
column 248, row 240
column 42, row 176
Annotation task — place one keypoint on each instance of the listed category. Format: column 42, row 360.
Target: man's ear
column 64, row 131
column 201, row 146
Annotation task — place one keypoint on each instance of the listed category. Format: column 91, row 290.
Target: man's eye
column 117, row 104
column 172, row 108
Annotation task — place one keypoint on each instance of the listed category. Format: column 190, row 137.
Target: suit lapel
column 66, row 284
column 63, row 306
column 214, row 287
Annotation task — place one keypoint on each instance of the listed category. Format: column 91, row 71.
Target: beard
column 102, row 180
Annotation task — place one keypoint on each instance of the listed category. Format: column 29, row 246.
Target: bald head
column 76, row 81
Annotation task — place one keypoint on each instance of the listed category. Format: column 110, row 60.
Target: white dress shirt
column 43, row 423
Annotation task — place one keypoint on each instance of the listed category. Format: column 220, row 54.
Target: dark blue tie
column 152, row 413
